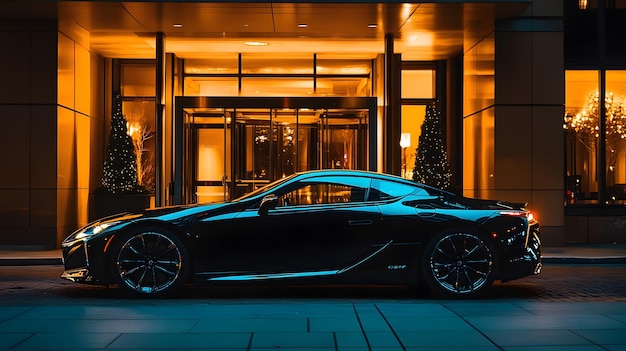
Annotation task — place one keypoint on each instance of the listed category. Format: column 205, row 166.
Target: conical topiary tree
column 120, row 166
column 431, row 160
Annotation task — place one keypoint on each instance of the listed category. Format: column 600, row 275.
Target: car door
column 325, row 225
column 318, row 226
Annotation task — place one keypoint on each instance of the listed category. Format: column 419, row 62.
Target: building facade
column 223, row 97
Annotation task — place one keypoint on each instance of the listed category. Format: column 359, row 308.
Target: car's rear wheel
column 459, row 263
column 150, row 262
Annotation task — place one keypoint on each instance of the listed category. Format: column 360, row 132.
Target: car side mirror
column 268, row 203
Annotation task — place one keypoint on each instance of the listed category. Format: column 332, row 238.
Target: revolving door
column 226, row 152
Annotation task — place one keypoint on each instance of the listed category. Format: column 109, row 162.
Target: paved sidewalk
column 570, row 254
column 316, row 326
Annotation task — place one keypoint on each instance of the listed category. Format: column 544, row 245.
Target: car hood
column 170, row 213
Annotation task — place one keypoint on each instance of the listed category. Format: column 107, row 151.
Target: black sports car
column 330, row 226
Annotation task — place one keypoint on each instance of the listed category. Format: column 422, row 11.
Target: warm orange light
column 108, row 242
column 257, row 43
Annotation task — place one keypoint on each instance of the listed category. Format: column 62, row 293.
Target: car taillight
column 529, row 215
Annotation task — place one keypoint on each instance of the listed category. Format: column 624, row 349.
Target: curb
column 583, row 260
column 30, row 261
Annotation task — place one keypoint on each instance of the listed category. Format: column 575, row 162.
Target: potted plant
column 120, row 190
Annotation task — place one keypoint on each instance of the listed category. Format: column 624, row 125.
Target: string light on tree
column 431, row 161
column 120, row 166
column 586, row 124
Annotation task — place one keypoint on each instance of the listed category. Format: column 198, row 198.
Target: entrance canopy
column 198, row 29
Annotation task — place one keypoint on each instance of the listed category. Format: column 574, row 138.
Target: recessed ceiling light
column 177, row 25
column 257, row 43
column 302, row 25
column 372, row 25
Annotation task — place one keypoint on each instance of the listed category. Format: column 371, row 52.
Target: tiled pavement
column 314, row 325
column 319, row 324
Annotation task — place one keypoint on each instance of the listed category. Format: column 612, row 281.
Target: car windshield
column 265, row 188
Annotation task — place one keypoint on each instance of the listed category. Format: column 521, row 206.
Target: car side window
column 322, row 193
column 385, row 190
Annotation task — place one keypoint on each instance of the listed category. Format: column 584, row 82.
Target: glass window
column 323, row 193
column 344, row 86
column 615, row 52
column 137, row 86
column 138, row 79
column 412, row 120
column 278, row 86
column 215, row 86
column 326, row 65
column 581, row 32
column 263, row 64
column 616, row 136
column 227, row 64
column 582, row 127
column 418, row 84
column 384, row 190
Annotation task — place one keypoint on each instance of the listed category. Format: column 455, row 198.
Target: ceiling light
column 257, row 43
column 177, row 25
column 372, row 25
column 302, row 25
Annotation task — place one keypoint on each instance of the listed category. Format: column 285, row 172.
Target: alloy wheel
column 462, row 263
column 149, row 263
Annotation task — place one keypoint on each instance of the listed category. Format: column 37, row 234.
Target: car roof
column 370, row 174
column 353, row 173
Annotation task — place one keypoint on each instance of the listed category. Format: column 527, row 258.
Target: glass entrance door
column 343, row 136
column 227, row 152
column 270, row 144
column 208, row 156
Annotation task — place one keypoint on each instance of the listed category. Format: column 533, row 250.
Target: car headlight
column 89, row 231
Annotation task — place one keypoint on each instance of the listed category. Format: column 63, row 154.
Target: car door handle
column 360, row 222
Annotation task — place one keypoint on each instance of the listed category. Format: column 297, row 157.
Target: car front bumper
column 82, row 265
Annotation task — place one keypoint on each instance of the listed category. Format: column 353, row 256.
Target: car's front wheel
column 459, row 263
column 151, row 262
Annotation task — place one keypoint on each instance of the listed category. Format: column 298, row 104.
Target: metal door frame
column 181, row 103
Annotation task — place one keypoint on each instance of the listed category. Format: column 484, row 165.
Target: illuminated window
column 277, row 86
column 287, row 64
column 214, row 86
column 585, row 177
column 418, row 90
column 263, row 75
column 137, row 86
column 224, row 64
column 615, row 121
column 418, row 84
column 582, row 128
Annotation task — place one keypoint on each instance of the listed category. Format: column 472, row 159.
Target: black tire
column 459, row 263
column 151, row 262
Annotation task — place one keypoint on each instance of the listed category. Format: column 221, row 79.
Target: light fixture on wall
column 257, row 43
column 583, row 4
